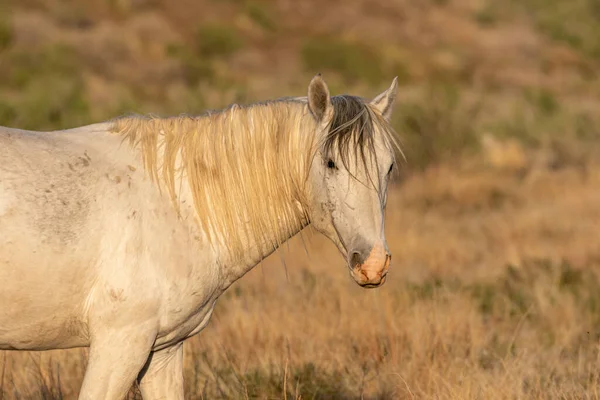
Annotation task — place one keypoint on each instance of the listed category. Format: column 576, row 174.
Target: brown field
column 494, row 291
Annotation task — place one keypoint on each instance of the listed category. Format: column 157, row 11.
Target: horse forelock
column 352, row 133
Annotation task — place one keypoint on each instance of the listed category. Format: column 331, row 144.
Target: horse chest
column 193, row 324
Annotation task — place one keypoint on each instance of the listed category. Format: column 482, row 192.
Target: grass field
column 494, row 291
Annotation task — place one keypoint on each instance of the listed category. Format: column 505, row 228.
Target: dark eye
column 330, row 164
column 391, row 168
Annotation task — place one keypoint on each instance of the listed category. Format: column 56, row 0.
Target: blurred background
column 493, row 220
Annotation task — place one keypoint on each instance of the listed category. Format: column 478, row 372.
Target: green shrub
column 259, row 14
column 5, row 34
column 217, row 41
column 353, row 61
column 574, row 23
column 436, row 127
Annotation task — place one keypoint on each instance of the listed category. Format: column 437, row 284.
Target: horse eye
column 391, row 168
column 330, row 164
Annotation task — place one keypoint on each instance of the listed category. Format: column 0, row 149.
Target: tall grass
column 494, row 302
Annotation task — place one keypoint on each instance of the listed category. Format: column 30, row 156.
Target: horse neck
column 234, row 267
column 276, row 222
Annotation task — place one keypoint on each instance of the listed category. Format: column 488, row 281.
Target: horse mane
column 246, row 166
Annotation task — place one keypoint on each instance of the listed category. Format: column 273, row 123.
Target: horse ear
column 385, row 101
column 319, row 101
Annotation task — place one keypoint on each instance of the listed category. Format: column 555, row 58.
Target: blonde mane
column 247, row 167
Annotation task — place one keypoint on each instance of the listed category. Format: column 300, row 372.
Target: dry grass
column 494, row 293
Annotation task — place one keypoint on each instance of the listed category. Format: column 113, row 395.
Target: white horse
column 121, row 235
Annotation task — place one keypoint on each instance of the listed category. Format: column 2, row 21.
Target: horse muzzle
column 369, row 269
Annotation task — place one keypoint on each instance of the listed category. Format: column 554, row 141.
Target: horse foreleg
column 115, row 360
column 162, row 378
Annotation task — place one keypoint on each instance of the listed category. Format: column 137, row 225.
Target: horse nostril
column 356, row 259
column 386, row 265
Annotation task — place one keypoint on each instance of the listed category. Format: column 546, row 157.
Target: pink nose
column 371, row 272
